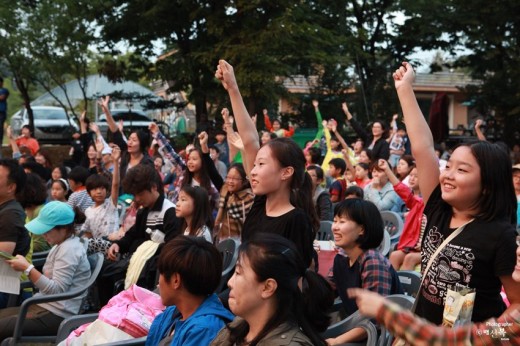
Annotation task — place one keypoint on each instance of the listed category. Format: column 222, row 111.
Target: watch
column 28, row 270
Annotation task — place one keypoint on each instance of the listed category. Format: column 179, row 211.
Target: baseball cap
column 517, row 166
column 52, row 214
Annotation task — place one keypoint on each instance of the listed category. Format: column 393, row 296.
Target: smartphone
column 6, row 255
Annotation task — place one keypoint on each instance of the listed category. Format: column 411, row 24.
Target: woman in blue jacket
column 190, row 270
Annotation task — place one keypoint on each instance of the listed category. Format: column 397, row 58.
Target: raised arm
column 116, row 158
column 246, row 127
column 478, row 130
column 418, row 131
column 383, row 164
column 12, row 142
column 168, row 151
column 319, row 120
column 103, row 102
column 267, row 121
column 360, row 131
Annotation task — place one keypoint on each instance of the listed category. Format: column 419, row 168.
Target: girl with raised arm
column 474, row 193
column 283, row 202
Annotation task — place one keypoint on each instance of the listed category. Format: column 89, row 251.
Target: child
column 60, row 190
column 79, row 197
column 102, row 218
column 276, row 127
column 320, row 196
column 337, row 168
column 197, row 220
column 381, row 192
column 362, row 175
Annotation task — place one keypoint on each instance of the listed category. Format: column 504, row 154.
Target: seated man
column 190, row 269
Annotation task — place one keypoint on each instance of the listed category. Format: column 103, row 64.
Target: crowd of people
column 157, row 215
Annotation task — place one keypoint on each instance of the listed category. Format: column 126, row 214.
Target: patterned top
column 81, row 199
column 504, row 330
column 101, row 221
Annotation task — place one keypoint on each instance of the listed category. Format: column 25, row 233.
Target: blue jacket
column 198, row 330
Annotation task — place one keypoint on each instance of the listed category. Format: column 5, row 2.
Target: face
column 245, row 294
column 276, row 125
column 377, row 129
column 91, row 153
column 266, row 137
column 158, row 163
column 26, row 132
column 333, row 171
column 346, row 232
column 56, row 174
column 461, row 182
column 403, row 168
column 73, row 185
column 57, row 192
column 98, row 195
column 413, row 179
column 146, row 198
column 55, row 236
column 40, row 159
column 379, row 178
column 363, row 157
column 133, row 144
column 361, row 173
column 6, row 189
column 220, row 137
column 213, row 154
column 334, row 144
column 358, row 147
column 233, row 180
column 266, row 175
column 349, row 176
column 194, row 161
column 516, row 180
column 184, row 206
column 314, row 178
column 167, row 291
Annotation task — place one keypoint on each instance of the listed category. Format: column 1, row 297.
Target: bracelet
column 28, row 270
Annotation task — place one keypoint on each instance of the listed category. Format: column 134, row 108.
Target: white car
column 133, row 120
column 51, row 124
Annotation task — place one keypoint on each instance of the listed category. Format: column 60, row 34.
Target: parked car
column 133, row 120
column 52, row 125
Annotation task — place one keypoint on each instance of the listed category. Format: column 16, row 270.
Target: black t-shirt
column 12, row 227
column 481, row 253
column 294, row 225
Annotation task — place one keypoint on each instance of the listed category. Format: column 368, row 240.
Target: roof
column 442, row 81
column 96, row 86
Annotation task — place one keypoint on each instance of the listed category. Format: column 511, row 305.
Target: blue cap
column 52, row 214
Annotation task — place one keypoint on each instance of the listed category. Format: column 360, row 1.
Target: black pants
column 37, row 322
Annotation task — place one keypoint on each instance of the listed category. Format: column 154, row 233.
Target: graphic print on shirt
column 452, row 265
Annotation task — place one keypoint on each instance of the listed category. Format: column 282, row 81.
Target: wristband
column 28, row 270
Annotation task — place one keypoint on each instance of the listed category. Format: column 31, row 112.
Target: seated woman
column 65, row 269
column 278, row 300
column 190, row 270
column 358, row 230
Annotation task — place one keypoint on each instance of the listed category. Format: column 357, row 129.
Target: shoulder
column 286, row 334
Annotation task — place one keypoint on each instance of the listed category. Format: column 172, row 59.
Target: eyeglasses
column 233, row 179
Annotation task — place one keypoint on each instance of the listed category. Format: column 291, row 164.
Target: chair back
column 325, row 231
column 228, row 248
column 393, row 225
column 404, row 301
column 410, row 281
column 385, row 245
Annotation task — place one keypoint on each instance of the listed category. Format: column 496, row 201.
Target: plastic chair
column 385, row 245
column 410, row 281
column 229, row 250
column 325, row 232
column 96, row 262
column 404, row 301
column 356, row 320
column 393, row 225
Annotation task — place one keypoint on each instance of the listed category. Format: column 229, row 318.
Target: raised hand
column 225, row 115
column 104, row 101
column 203, row 138
column 83, row 116
column 478, row 124
column 226, row 75
column 264, row 111
column 315, row 103
column 94, row 128
column 235, row 140
column 120, row 125
column 99, row 145
column 9, row 132
column 383, row 165
column 395, row 116
column 404, row 75
column 344, row 107
column 153, row 128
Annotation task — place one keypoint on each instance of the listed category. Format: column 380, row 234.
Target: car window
column 49, row 114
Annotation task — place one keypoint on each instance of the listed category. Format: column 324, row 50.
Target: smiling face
column 461, row 180
column 194, row 161
column 245, row 295
column 276, row 125
column 346, row 232
column 377, row 129
column 266, row 137
column 91, row 153
column 266, row 175
column 234, row 180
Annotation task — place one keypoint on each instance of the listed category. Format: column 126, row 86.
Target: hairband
column 67, row 187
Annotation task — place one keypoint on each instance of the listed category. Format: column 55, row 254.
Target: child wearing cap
column 65, row 269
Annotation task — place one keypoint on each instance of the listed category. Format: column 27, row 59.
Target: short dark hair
column 366, row 214
column 16, row 173
column 215, row 148
column 197, row 261
column 95, row 181
column 339, row 163
column 319, row 172
column 315, row 154
column 79, row 174
column 34, row 192
column 140, row 178
column 354, row 190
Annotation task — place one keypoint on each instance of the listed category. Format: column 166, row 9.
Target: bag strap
column 435, row 254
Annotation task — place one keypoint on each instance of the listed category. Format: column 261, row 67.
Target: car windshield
column 126, row 116
column 49, row 114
